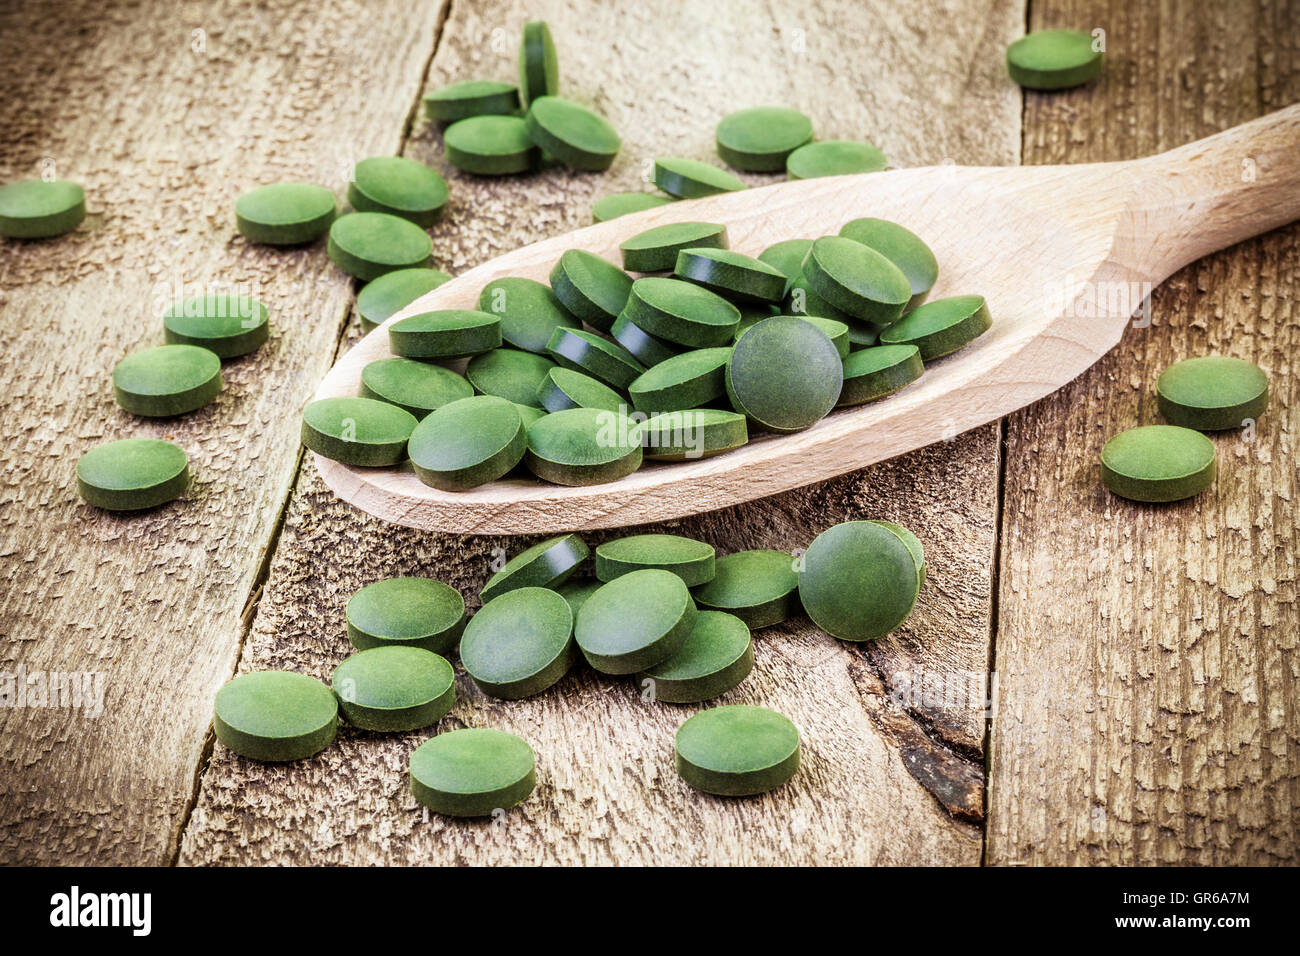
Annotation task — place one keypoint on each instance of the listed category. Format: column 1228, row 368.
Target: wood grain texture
column 1147, row 656
column 894, row 731
column 164, row 114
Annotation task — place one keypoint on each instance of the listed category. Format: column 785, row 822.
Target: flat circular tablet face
column 368, row 244
column 681, row 312
column 787, row 257
column 417, row 387
column 457, row 101
column 36, row 209
column 227, row 325
column 684, row 381
column 737, row 751
column 903, row 248
column 1212, row 393
column 519, row 644
column 784, row 374
column 546, row 564
column 873, row 373
column 656, row 248
column 594, row 355
column 640, row 344
column 445, row 334
column 717, row 655
column 406, row 612
column 275, row 715
column 357, row 431
column 284, row 214
column 730, row 274
column 620, row 204
column 762, row 138
column 400, row 187
column 756, row 586
column 564, row 388
column 913, row 544
column 856, row 279
column 509, row 374
column 528, row 310
column 859, row 581
column 941, row 327
column 1053, row 59
column 1158, row 463
column 693, row 433
column 472, row 772
column 635, row 622
column 491, row 145
column 393, row 291
column 691, row 179
column 539, row 67
column 132, row 474
column 467, row 443
column 167, row 380
column 689, row 559
column 572, row 133
column 583, row 446
column 590, row 288
column 394, row 689
column 834, row 157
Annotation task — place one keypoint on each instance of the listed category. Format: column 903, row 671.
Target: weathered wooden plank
column 1147, row 656
column 894, row 768
column 165, row 115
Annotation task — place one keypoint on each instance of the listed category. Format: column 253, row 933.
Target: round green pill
column 519, row 644
column 1212, row 393
column 682, row 313
column 1158, row 463
column 903, row 248
column 384, row 297
column 689, row 559
column 577, row 592
column 859, row 581
column 394, row 689
column 621, row 204
column 857, row 279
column 692, row 179
column 731, row 274
column 458, row 101
column 640, row 344
column 572, row 133
column 834, row 157
column 761, row 139
column 547, row 564
column 528, row 310
column 590, row 288
column 445, row 334
column 693, row 433
column 737, row 750
column 132, row 474
column 941, row 327
column 228, row 325
column 787, row 258
column 472, row 772
column 586, row 352
column 37, row 209
column 583, row 446
column 467, row 443
column 539, row 67
column 756, row 586
column 490, row 145
column 635, row 622
column 655, row 249
column 913, row 544
column 167, row 380
column 509, row 374
column 784, row 374
column 717, row 655
column 873, row 373
column 406, row 612
column 275, row 716
column 564, row 388
column 400, row 187
column 357, row 431
column 1053, row 59
column 284, row 214
column 684, row 381
column 417, row 387
column 368, row 244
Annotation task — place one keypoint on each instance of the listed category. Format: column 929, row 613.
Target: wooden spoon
column 1064, row 255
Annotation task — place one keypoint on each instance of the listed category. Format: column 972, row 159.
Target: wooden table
column 1144, row 707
